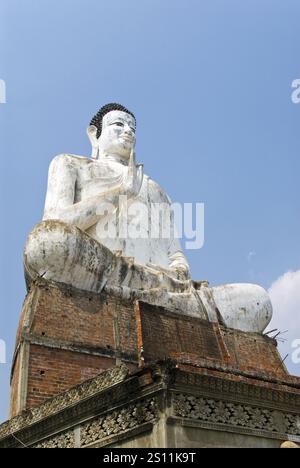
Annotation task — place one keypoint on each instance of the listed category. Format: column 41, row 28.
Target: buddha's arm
column 177, row 260
column 61, row 195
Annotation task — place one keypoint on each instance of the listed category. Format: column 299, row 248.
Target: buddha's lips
column 127, row 138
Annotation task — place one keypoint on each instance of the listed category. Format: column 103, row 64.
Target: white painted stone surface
column 72, row 246
column 246, row 307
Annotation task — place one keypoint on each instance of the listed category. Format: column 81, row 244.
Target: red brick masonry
column 67, row 336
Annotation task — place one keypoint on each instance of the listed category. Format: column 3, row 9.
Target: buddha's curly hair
column 97, row 119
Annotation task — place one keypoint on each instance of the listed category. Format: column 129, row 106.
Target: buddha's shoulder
column 70, row 159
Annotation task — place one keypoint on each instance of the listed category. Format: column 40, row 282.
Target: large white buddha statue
column 108, row 227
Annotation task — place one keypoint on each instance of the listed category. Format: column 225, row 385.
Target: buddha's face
column 118, row 134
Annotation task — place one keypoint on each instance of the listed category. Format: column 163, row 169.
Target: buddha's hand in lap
column 181, row 272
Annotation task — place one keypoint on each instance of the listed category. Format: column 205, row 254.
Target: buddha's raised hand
column 135, row 175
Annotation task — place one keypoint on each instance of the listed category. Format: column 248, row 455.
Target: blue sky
column 210, row 84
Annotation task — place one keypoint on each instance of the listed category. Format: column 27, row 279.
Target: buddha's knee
column 63, row 253
column 246, row 307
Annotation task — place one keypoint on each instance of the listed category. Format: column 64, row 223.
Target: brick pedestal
column 67, row 336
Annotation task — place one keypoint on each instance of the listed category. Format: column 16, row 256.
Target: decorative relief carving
column 216, row 407
column 293, row 423
column 106, row 379
column 65, row 440
column 244, row 389
column 222, row 412
column 119, row 421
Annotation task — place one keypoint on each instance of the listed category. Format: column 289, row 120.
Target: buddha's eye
column 120, row 124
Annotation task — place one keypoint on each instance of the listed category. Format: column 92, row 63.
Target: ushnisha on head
column 112, row 132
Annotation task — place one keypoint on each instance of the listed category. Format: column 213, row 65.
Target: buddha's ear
column 92, row 134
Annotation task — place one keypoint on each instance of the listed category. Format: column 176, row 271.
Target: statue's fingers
column 151, row 265
column 140, row 175
column 132, row 159
column 140, row 168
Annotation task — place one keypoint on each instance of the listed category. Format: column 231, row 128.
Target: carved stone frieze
column 89, row 388
column 65, row 440
column 221, row 412
column 119, row 421
column 243, row 390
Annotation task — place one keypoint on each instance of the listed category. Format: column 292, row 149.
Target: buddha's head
column 112, row 132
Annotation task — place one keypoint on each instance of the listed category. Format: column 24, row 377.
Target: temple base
column 67, row 336
column 157, row 378
column 165, row 405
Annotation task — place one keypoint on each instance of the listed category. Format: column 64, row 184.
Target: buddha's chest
column 97, row 178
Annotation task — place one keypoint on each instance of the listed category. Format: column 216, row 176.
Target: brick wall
column 52, row 371
column 14, row 393
column 251, row 352
column 71, row 336
column 196, row 341
column 168, row 334
column 67, row 336
column 73, row 317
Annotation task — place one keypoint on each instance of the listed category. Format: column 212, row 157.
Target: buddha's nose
column 128, row 130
